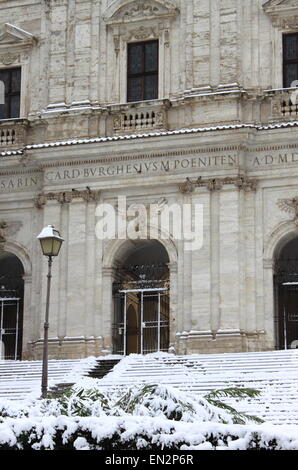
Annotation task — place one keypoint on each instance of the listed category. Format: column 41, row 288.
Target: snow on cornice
column 150, row 134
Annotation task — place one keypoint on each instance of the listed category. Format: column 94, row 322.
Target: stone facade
column 222, row 133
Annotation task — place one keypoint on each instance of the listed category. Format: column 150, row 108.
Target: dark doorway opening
column 286, row 296
column 141, row 301
column 11, row 306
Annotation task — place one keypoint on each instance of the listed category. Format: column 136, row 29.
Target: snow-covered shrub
column 78, row 401
column 147, row 416
column 140, row 432
column 238, row 393
column 9, row 409
column 141, row 400
column 168, row 402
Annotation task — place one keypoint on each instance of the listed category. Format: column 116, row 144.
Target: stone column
column 51, row 217
column 265, row 323
column 187, row 271
column 107, row 308
column 98, row 291
column 249, row 289
column 90, row 269
column 202, row 284
column 76, row 275
column 215, row 260
column 27, row 314
column 174, row 313
column 63, row 263
column 229, row 259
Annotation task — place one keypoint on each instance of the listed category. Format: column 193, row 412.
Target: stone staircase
column 274, row 373
column 20, row 380
column 101, row 368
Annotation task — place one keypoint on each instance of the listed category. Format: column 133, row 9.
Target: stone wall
column 75, row 68
column 233, row 149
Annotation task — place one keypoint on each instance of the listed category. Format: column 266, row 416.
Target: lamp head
column 50, row 241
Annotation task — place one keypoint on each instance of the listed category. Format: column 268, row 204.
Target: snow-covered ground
column 144, row 417
column 120, row 413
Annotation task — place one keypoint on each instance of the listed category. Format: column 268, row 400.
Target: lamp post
column 50, row 242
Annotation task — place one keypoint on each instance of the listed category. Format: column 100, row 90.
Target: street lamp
column 50, row 242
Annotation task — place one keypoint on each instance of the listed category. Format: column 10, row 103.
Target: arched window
column 141, row 300
column 11, row 306
column 286, row 295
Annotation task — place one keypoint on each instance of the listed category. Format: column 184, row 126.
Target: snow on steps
column 20, row 380
column 274, row 373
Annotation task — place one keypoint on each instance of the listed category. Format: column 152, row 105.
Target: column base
column 222, row 341
column 77, row 347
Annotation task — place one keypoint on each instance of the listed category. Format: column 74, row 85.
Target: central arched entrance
column 11, row 306
column 286, row 295
column 141, row 300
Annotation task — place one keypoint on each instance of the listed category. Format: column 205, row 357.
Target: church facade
column 161, row 139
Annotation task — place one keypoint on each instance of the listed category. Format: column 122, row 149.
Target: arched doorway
column 141, row 300
column 11, row 306
column 286, row 295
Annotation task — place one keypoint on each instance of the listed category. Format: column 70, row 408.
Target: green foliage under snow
column 150, row 416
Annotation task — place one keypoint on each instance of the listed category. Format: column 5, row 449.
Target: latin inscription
column 141, row 168
column 31, row 182
column 278, row 159
column 18, row 183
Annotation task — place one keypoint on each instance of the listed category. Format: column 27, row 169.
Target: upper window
column 290, row 59
column 10, row 80
column 142, row 71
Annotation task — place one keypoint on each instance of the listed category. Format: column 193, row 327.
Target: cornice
column 283, row 13
column 151, row 135
column 114, row 158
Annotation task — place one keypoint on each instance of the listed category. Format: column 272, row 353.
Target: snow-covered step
column 273, row 373
column 21, row 379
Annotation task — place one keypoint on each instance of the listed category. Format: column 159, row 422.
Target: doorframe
column 141, row 291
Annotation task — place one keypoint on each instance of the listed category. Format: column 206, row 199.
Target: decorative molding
column 66, row 197
column 141, row 33
column 3, row 227
column 216, row 184
column 285, row 23
column 131, row 33
column 9, row 58
column 123, row 11
column 11, row 35
column 245, row 184
column 290, row 206
column 8, row 229
column 279, row 5
column 283, row 13
column 188, row 186
column 54, row 3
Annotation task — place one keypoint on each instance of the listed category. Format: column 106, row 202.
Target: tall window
column 10, row 87
column 142, row 71
column 290, row 58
